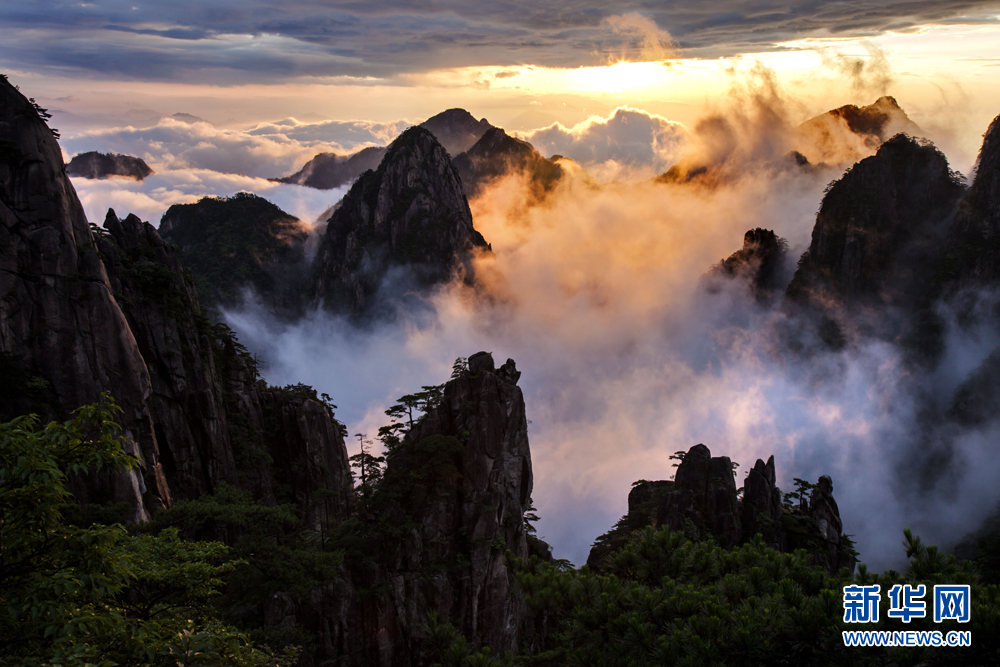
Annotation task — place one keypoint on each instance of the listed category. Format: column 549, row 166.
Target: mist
column 596, row 292
column 150, row 198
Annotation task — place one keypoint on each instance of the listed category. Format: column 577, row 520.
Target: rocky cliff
column 215, row 421
column 59, row 322
column 760, row 265
column 433, row 535
column 408, row 214
column 497, row 154
column 161, row 308
column 85, row 311
column 103, row 165
column 973, row 256
column 877, row 224
column 702, row 501
column 473, row 510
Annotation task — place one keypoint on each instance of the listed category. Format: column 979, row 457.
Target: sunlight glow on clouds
column 150, row 199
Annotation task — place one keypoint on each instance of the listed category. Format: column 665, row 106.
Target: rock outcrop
column 86, row 311
column 825, row 514
column 103, row 165
column 214, row 420
column 474, row 509
column 434, row 534
column 408, row 214
column 760, row 264
column 58, row 318
column 762, row 507
column 496, row 155
column 973, row 255
column 702, row 501
column 161, row 307
column 703, row 496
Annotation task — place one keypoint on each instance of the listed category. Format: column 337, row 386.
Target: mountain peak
column 410, row 212
column 456, row 129
column 884, row 216
column 497, row 154
column 850, row 132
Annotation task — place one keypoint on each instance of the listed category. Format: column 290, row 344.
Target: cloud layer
column 265, row 151
column 631, row 144
column 595, row 292
column 227, row 42
column 150, row 198
column 625, row 360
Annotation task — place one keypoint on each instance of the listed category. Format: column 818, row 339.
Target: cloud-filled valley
column 598, row 292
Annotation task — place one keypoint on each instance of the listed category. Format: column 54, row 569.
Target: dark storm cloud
column 225, row 41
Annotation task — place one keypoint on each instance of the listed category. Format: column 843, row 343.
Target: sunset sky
column 521, row 64
column 624, row 360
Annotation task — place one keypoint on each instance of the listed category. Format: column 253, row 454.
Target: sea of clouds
column 596, row 293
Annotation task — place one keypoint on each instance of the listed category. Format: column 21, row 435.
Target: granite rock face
column 456, row 129
column 848, row 133
column 704, row 494
column 824, row 512
column 759, row 264
column 762, row 505
column 452, row 500
column 103, row 165
column 86, row 311
column 879, row 227
column 161, row 307
column 409, row 214
column 308, row 454
column 702, row 501
column 475, row 509
column 57, row 313
column 973, row 257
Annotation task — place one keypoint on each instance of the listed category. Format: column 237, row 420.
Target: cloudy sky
column 521, row 64
column 624, row 361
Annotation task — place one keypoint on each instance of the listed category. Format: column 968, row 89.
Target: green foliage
column 459, row 368
column 230, row 243
column 667, row 600
column 43, row 115
column 801, row 494
column 95, row 595
column 369, row 469
column 407, row 411
column 443, row 646
column 274, row 551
